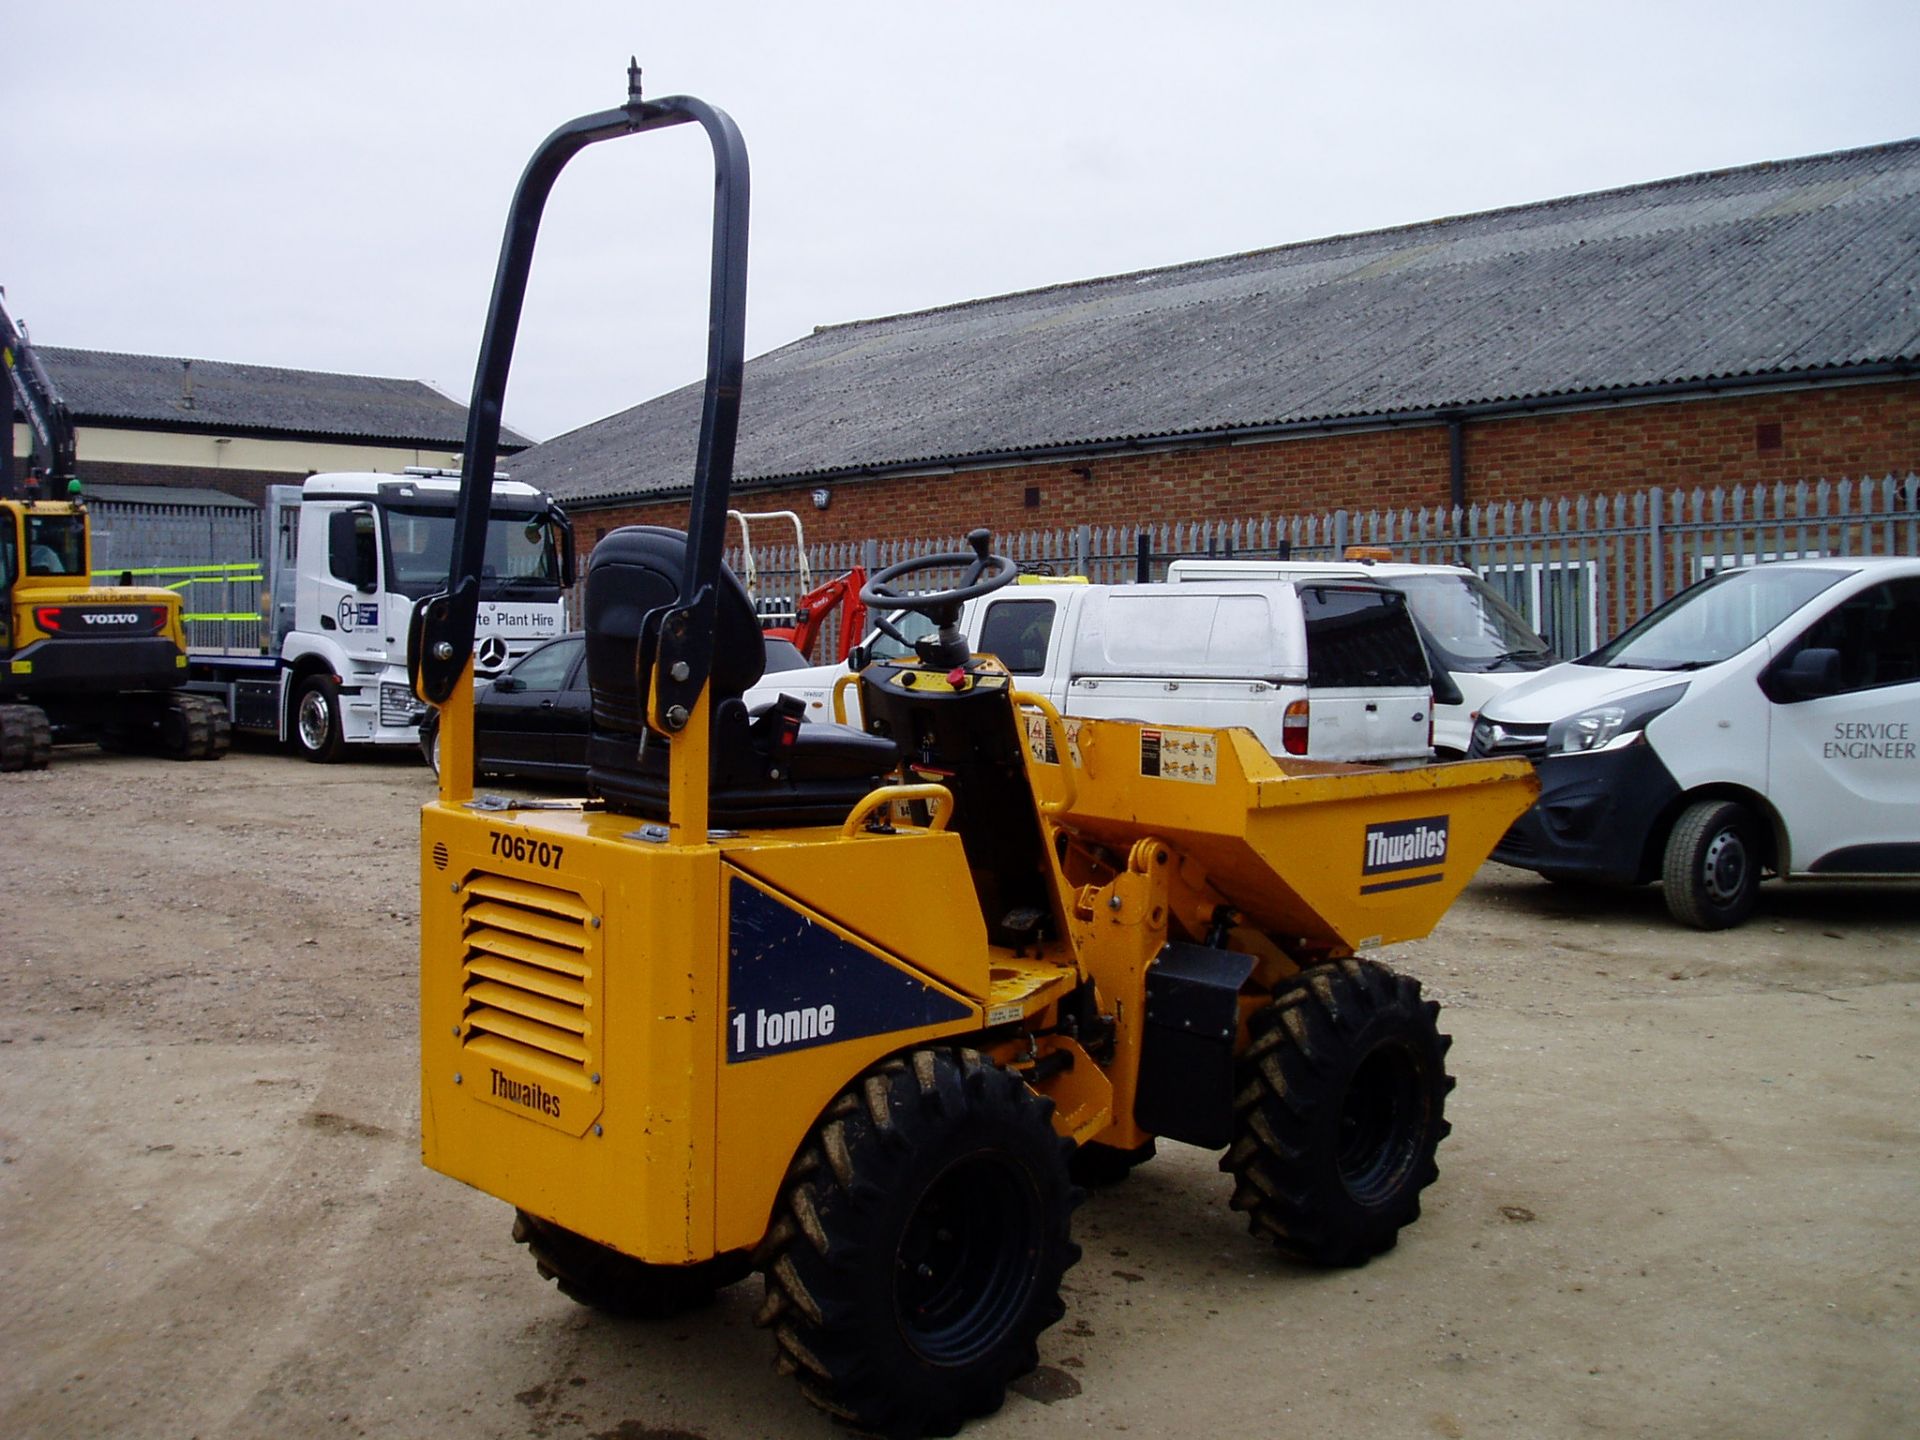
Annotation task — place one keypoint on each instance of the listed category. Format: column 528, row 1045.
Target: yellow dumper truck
column 861, row 1008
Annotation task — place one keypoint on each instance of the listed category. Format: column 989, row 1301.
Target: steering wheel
column 985, row 573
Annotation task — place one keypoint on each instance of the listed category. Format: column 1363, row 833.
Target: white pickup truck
column 1328, row 670
column 1471, row 634
column 1765, row 720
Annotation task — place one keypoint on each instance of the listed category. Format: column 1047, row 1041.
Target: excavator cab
column 80, row 662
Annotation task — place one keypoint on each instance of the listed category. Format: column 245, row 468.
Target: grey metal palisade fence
column 209, row 554
column 1580, row 569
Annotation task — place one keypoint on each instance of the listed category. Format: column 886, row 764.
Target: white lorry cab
column 1474, row 639
column 1328, row 671
column 348, row 557
column 1766, row 720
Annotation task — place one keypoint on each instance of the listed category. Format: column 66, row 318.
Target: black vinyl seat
column 769, row 769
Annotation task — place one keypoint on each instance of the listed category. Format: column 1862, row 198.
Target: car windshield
column 1713, row 620
column 1469, row 624
column 522, row 552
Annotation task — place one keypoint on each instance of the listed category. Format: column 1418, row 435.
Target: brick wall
column 1850, row 430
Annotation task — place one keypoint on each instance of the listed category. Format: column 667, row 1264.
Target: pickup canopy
column 1192, row 631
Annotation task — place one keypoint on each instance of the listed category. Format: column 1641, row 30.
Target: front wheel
column 919, row 1245
column 1712, row 869
column 1339, row 1106
column 316, row 720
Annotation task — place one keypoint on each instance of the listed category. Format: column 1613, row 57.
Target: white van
column 1325, row 671
column 1764, row 720
column 1473, row 637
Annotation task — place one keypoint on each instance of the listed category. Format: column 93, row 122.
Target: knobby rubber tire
column 26, row 738
column 325, row 748
column 1339, row 1106
column 602, row 1278
column 1711, row 872
column 918, row 1247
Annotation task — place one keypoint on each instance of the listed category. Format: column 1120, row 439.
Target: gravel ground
column 1682, row 1195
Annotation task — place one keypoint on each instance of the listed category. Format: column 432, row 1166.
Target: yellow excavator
column 78, row 662
column 863, row 1009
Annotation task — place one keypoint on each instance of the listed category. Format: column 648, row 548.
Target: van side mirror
column 1811, row 673
column 1445, row 690
column 858, row 659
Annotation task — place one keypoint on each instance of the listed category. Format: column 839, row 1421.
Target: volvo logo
column 491, row 653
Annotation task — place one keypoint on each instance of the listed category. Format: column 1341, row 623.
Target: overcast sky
column 323, row 186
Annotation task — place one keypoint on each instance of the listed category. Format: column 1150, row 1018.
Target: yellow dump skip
column 1343, row 856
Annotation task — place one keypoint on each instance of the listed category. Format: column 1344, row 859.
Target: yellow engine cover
column 632, row 1038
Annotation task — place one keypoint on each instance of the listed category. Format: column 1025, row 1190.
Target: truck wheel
column 1094, row 1164
column 598, row 1276
column 316, row 720
column 917, row 1250
column 1339, row 1107
column 1712, row 870
column 26, row 738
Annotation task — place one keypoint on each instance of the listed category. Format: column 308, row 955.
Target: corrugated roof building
column 168, row 421
column 1755, row 323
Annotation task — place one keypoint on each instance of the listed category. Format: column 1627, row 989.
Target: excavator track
column 194, row 727
column 26, row 738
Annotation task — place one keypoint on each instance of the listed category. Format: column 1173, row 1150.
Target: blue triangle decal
column 793, row 984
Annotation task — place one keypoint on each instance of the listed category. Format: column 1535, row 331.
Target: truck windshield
column 1471, row 627
column 523, row 554
column 1714, row 620
column 56, row 544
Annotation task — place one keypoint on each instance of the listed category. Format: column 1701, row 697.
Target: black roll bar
column 442, row 640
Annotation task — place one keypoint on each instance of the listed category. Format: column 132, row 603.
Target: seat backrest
column 634, row 572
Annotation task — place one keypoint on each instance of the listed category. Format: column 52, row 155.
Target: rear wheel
column 601, row 1277
column 316, row 719
column 1712, row 869
column 1339, row 1107
column 918, row 1249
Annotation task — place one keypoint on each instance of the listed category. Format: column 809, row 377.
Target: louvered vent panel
column 526, row 970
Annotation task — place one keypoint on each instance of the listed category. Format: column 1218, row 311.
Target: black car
column 531, row 719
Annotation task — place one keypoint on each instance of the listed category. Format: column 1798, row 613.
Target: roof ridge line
column 1408, row 227
column 235, row 364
